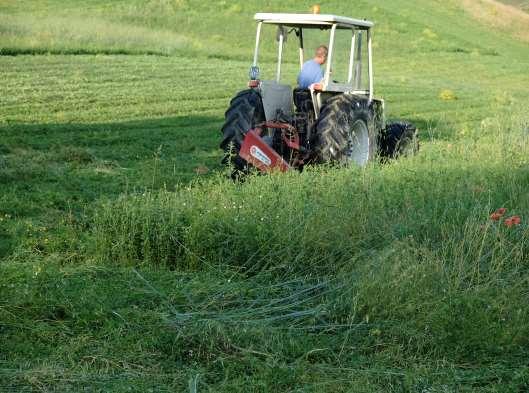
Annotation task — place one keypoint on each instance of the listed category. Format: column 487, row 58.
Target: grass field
column 128, row 262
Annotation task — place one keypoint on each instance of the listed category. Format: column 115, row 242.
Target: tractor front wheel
column 400, row 139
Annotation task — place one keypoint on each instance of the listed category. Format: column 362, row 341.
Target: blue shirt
column 310, row 73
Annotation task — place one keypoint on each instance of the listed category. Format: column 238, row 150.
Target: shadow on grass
column 49, row 171
column 125, row 142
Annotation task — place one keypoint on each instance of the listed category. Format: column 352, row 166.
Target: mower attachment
column 255, row 151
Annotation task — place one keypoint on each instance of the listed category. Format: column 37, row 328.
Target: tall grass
column 29, row 34
column 402, row 257
column 324, row 217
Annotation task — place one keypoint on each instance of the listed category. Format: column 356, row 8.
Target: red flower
column 498, row 214
column 495, row 216
column 511, row 221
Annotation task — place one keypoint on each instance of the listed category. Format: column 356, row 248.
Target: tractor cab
column 278, row 96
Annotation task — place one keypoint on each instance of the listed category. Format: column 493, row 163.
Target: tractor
column 271, row 126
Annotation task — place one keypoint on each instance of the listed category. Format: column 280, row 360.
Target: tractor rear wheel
column 400, row 139
column 345, row 131
column 244, row 113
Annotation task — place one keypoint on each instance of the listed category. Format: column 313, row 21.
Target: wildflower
column 447, row 95
column 498, row 214
column 511, row 221
column 495, row 216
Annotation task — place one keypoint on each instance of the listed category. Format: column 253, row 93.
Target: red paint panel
column 255, row 151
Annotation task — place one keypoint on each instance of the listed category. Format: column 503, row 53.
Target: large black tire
column 244, row 113
column 345, row 131
column 400, row 139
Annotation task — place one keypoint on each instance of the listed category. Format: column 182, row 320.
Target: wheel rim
column 358, row 143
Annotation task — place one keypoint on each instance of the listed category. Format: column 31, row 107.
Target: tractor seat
column 302, row 99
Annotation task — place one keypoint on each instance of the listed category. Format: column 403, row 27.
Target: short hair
column 321, row 51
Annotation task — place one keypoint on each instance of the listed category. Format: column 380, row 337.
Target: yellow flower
column 447, row 95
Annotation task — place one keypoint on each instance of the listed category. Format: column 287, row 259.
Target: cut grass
column 391, row 278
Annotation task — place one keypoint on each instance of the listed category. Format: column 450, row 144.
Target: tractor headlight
column 254, row 73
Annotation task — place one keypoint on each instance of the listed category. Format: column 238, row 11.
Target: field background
column 130, row 263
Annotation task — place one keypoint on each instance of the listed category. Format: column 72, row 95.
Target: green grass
column 130, row 263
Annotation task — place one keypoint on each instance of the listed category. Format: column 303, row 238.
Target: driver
column 311, row 71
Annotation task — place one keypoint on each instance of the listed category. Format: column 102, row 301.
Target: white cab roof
column 312, row 20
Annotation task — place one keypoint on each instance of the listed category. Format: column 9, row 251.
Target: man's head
column 321, row 54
